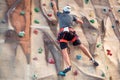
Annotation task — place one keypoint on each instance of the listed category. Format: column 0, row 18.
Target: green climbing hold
column 107, row 67
column 36, row 9
column 40, row 50
column 21, row 34
column 86, row 1
column 92, row 21
column 98, row 45
column 36, row 21
column 103, row 75
column 22, row 13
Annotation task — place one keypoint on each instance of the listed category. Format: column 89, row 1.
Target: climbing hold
column 49, row 15
column 110, row 78
column 118, row 10
column 103, row 75
column 98, row 45
column 51, row 61
column 75, row 73
column 34, row 77
column 35, row 58
column 21, row 34
column 91, row 14
column 86, row 1
column 36, row 9
column 36, row 21
column 3, row 21
column 35, row 31
column 109, row 52
column 113, row 26
column 22, row 13
column 51, row 4
column 78, row 57
column 104, row 10
column 117, row 22
column 92, row 21
column 94, row 34
column 40, row 50
column 44, row 4
column 110, row 9
column 107, row 67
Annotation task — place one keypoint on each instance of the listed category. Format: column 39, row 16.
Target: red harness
column 70, row 30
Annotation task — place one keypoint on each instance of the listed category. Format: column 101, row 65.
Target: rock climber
column 67, row 33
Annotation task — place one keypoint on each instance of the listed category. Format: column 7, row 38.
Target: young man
column 67, row 34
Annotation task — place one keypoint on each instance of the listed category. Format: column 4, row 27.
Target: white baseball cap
column 67, row 9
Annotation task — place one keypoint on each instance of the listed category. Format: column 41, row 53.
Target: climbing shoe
column 61, row 73
column 67, row 69
column 94, row 62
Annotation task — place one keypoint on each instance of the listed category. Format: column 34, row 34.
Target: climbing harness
column 65, row 31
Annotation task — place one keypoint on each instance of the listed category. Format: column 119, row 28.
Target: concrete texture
column 13, row 50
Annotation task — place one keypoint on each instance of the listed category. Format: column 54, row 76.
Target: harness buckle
column 66, row 29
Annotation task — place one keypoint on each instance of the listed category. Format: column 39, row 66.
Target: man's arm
column 79, row 21
column 54, row 6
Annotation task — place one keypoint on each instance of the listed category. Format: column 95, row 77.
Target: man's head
column 67, row 9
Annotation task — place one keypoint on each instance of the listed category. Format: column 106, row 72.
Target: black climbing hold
column 51, row 4
column 86, row 1
column 103, row 75
column 3, row 21
column 118, row 10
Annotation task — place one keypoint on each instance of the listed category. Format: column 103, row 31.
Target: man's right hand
column 54, row 6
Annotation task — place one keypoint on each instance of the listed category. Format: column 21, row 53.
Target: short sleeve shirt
column 65, row 19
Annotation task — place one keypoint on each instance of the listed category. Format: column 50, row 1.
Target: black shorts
column 69, row 37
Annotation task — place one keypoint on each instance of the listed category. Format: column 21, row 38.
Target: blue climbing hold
column 78, row 57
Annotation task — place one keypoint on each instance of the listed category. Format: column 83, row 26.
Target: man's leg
column 66, row 57
column 87, row 53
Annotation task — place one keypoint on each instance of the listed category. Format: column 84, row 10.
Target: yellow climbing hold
column 91, row 14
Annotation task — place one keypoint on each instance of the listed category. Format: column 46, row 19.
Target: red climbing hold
column 75, row 73
column 44, row 4
column 49, row 15
column 35, row 58
column 35, row 31
column 51, row 61
column 109, row 52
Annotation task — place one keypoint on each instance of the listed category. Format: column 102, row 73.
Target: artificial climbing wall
column 29, row 49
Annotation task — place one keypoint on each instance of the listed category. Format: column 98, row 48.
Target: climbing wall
column 29, row 49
